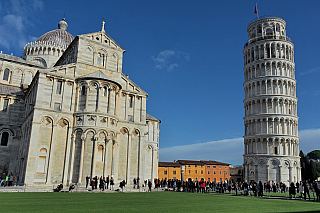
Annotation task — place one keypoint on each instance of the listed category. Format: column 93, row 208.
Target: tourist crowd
column 302, row 188
column 10, row 180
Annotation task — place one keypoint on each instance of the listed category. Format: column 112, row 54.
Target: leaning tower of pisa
column 271, row 142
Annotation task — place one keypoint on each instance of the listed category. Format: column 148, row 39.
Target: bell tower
column 271, row 142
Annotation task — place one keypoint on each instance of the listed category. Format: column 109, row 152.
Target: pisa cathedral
column 271, row 142
column 67, row 111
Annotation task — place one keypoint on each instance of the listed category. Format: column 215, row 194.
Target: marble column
column 81, row 159
column 73, row 145
column 51, row 154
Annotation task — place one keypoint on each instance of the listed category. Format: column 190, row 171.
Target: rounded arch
column 124, row 130
column 63, row 122
column 136, row 132
column 11, row 132
column 47, row 119
column 76, row 130
column 94, row 83
column 85, row 133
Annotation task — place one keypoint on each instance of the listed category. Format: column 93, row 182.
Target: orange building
column 193, row 169
column 217, row 171
column 185, row 169
column 169, row 170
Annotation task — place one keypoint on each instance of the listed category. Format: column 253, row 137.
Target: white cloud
column 38, row 5
column 229, row 150
column 313, row 70
column 17, row 17
column 14, row 22
column 170, row 59
column 309, row 140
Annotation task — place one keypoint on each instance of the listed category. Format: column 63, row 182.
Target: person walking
column 107, row 182
column 301, row 189
column 292, row 190
column 87, row 181
column 122, row 185
column 18, row 180
column 111, row 183
column 101, row 183
column 10, row 179
column 3, row 180
column 306, row 189
column 149, row 185
column 138, row 182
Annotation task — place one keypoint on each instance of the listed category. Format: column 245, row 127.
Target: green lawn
column 164, row 202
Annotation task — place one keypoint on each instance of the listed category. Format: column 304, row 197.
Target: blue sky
column 187, row 55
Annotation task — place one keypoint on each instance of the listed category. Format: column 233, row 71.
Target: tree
column 315, row 155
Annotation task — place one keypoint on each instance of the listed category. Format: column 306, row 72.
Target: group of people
column 258, row 189
column 102, row 182
column 10, row 180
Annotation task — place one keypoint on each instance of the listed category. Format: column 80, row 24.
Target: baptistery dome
column 49, row 47
column 59, row 37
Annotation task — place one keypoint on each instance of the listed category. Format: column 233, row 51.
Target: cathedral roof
column 98, row 75
column 10, row 90
column 150, row 117
column 59, row 37
column 17, row 59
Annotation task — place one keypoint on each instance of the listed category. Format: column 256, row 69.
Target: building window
column 130, row 101
column 214, row 166
column 214, row 172
column 208, row 166
column 201, row 171
column 41, row 167
column 215, row 179
column 220, row 179
column 105, row 91
column 208, row 172
column 165, row 167
column 59, row 87
column 225, row 173
column 98, row 59
column 196, row 171
column 195, row 166
column 220, row 167
column 188, row 165
column 225, row 167
column 165, row 172
column 57, row 107
column 201, row 166
column 83, row 90
column 4, row 138
column 275, row 150
column 130, row 118
column 174, row 178
column 174, row 172
column 220, row 172
column 189, row 171
column 209, row 179
column 6, row 74
column 5, row 104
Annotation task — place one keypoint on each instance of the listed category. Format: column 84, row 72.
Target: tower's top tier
column 267, row 28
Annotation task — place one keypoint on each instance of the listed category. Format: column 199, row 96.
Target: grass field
column 148, row 202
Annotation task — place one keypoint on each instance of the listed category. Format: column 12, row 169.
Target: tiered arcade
column 271, row 142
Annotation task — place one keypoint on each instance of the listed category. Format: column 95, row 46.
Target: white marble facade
column 68, row 111
column 271, row 142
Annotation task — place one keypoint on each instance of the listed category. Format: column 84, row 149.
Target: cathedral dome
column 59, row 37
